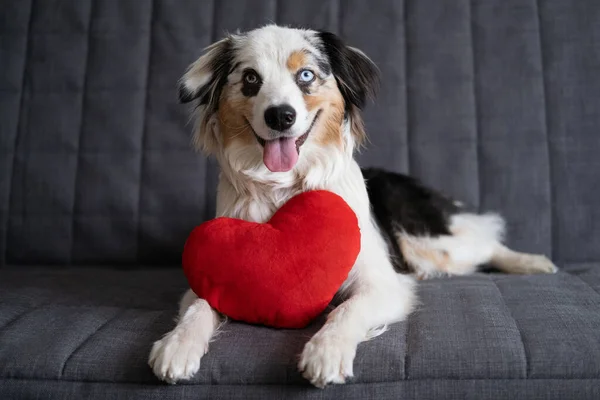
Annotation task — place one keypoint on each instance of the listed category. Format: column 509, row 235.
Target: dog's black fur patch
column 402, row 204
column 251, row 89
column 220, row 65
column 357, row 76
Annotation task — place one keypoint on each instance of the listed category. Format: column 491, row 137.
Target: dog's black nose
column 281, row 117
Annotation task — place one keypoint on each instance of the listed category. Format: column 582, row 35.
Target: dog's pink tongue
column 280, row 155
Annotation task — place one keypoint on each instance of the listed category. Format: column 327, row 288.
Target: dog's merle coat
column 401, row 203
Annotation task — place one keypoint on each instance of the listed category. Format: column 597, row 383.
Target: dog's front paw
column 176, row 356
column 327, row 358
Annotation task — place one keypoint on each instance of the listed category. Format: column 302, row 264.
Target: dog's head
column 274, row 95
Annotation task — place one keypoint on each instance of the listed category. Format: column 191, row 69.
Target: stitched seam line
column 276, row 12
column 301, row 385
column 334, row 18
column 586, row 283
column 408, row 155
column 208, row 162
column 475, row 107
column 406, row 342
column 340, row 19
column 120, row 152
column 87, row 339
column 4, row 255
column 409, row 139
column 143, row 134
column 89, row 307
column 551, row 194
column 80, row 134
column 20, row 316
column 517, row 326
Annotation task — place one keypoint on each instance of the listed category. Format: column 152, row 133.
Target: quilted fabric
column 493, row 101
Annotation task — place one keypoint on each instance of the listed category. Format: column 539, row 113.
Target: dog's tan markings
column 329, row 100
column 357, row 127
column 296, row 60
column 332, row 125
column 232, row 123
column 415, row 253
column 315, row 101
column 327, row 96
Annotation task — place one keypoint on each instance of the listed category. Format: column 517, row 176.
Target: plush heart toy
column 282, row 273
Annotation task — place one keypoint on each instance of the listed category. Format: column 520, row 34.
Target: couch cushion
column 96, row 325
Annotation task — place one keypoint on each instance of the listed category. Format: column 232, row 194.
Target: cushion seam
column 140, row 180
column 335, row 12
column 405, row 364
column 159, row 384
column 80, row 133
column 551, row 196
column 585, row 283
column 21, row 315
column 276, row 12
column 517, row 326
column 476, row 139
column 209, row 196
column 408, row 138
column 86, row 340
column 20, row 122
column 410, row 141
column 92, row 307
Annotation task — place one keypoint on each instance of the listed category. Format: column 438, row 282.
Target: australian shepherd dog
column 280, row 109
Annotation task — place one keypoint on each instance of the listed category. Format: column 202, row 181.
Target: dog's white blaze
column 267, row 50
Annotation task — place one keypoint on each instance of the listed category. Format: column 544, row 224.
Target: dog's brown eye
column 251, row 77
column 251, row 83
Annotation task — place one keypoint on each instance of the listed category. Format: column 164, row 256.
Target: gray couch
column 493, row 101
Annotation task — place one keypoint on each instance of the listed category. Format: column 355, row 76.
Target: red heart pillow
column 282, row 273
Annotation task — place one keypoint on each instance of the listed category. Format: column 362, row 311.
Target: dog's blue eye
column 306, row 76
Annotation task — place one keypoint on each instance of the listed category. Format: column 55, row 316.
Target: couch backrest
column 493, row 101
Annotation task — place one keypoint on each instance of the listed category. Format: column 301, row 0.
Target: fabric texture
column 495, row 102
column 489, row 332
column 282, row 273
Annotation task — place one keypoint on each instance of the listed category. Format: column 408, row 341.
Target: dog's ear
column 357, row 76
column 205, row 78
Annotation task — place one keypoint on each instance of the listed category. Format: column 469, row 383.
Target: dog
column 280, row 109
